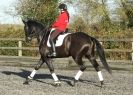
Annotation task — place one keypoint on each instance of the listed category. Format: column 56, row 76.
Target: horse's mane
column 36, row 23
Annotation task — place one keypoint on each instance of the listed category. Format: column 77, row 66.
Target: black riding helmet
column 63, row 6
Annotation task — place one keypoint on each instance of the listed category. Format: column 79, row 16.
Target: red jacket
column 62, row 21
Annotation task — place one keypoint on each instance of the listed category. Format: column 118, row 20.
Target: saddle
column 59, row 40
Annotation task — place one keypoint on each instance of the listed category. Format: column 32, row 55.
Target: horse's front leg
column 37, row 67
column 51, row 69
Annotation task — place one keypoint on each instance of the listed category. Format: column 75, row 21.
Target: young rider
column 58, row 27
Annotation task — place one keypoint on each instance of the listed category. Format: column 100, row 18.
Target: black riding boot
column 53, row 54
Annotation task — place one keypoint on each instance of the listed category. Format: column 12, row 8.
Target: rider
column 58, row 27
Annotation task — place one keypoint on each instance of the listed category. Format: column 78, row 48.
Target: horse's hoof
column 102, row 83
column 26, row 82
column 28, row 79
column 73, row 82
column 57, row 83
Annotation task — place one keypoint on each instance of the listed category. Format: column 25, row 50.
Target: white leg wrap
column 33, row 73
column 100, row 76
column 78, row 75
column 55, row 77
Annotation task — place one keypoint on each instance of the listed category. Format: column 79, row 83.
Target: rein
column 45, row 32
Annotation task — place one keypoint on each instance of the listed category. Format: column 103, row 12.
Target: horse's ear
column 25, row 21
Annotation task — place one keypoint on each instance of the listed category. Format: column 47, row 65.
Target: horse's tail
column 101, row 54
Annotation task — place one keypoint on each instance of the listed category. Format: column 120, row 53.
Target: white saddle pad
column 59, row 40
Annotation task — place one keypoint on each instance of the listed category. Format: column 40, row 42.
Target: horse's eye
column 26, row 28
column 32, row 32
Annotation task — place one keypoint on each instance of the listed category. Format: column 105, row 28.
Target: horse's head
column 32, row 29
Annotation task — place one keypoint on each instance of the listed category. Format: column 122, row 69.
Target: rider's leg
column 53, row 37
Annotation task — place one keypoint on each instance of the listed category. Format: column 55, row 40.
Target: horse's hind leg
column 96, row 66
column 79, row 61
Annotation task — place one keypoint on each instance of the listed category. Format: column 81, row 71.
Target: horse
column 76, row 45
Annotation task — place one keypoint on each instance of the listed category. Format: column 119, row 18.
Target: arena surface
column 12, row 78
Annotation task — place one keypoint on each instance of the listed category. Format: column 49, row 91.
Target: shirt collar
column 62, row 11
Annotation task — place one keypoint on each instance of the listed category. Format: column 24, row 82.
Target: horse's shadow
column 39, row 77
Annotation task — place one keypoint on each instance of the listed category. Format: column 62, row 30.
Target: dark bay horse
column 77, row 45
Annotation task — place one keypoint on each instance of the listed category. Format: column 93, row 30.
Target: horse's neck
column 43, row 36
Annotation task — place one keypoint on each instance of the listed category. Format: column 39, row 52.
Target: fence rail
column 20, row 47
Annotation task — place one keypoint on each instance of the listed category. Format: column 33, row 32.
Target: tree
column 41, row 10
column 125, row 12
column 79, row 25
column 128, row 9
column 93, row 12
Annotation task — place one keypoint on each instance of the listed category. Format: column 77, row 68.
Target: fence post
column 20, row 46
column 132, row 50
